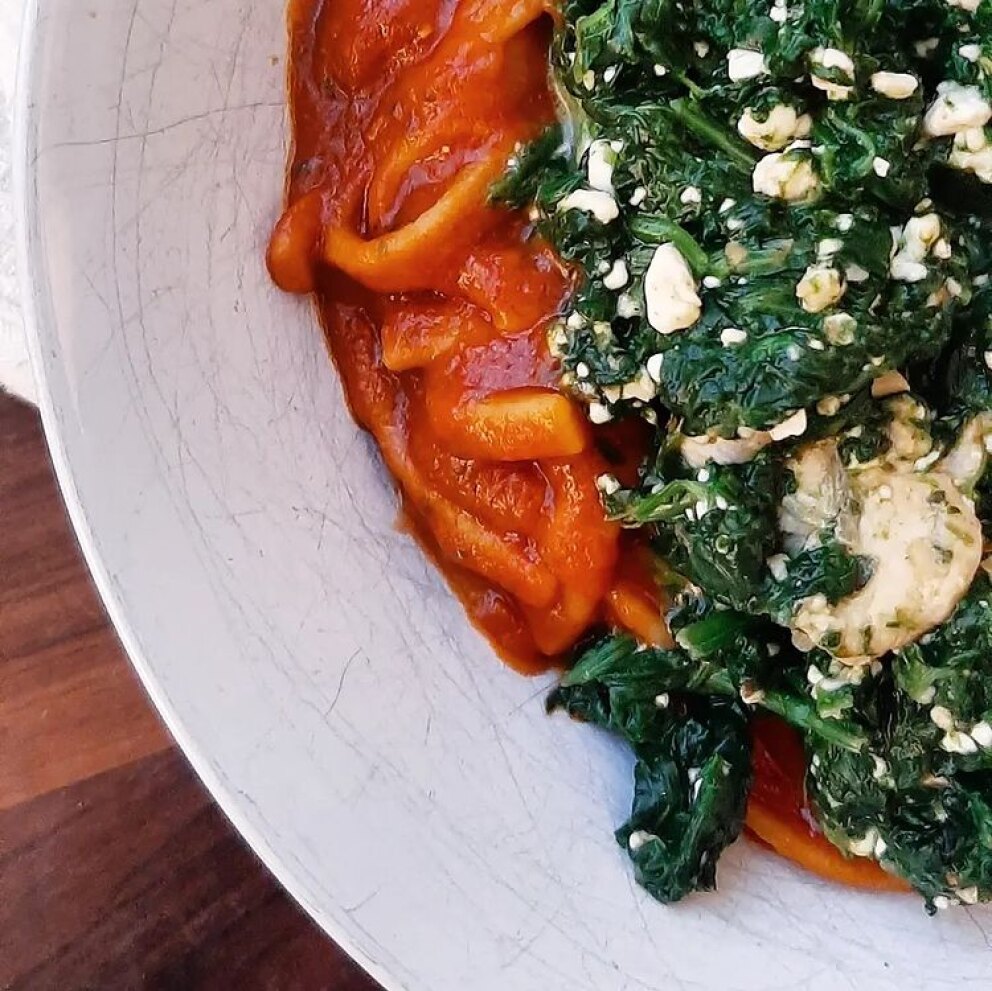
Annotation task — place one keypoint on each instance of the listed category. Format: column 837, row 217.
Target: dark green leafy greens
column 690, row 790
column 682, row 713
column 651, row 80
column 773, row 209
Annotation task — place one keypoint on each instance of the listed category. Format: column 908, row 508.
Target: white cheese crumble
column 596, row 202
column 942, row 249
column 955, row 108
column 981, row 733
column 691, row 195
column 600, row 160
column 711, row 281
column 638, row 196
column 912, row 245
column 742, row 63
column 880, row 166
column 926, row 47
column 705, row 448
column 865, row 846
column 660, row 70
column 819, row 288
column 701, row 48
column 853, row 272
column 599, row 413
column 941, row 717
column 641, row 388
column 638, row 838
column 829, row 247
column 785, row 176
column 618, row 276
column 970, row 53
column 894, row 85
column 732, row 335
column 627, row 306
column 670, row 291
column 844, row 222
column 832, row 58
column 653, row 366
column 781, row 126
column 956, row 742
column 608, row 484
column 967, row 5
column 972, row 152
column 777, row 566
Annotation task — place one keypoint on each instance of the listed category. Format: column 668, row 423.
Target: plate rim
column 26, row 209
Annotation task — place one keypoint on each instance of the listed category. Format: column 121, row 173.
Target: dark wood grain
column 116, row 869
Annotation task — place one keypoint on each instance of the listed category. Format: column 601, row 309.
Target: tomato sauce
column 779, row 815
column 437, row 306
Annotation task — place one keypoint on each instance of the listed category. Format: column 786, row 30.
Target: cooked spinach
column 692, row 769
column 922, row 812
column 684, row 713
column 652, row 81
column 780, row 214
column 715, row 526
column 951, row 670
column 690, row 793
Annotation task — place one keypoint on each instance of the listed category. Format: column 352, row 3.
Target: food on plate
column 672, row 323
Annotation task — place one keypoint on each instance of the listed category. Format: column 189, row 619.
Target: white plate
column 405, row 788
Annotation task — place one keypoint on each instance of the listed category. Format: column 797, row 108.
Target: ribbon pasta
column 437, row 306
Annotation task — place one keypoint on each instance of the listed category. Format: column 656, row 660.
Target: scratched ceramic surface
column 407, row 789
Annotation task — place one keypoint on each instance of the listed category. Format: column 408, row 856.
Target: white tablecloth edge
column 15, row 368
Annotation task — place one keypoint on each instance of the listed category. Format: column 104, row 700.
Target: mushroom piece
column 918, row 530
column 965, row 462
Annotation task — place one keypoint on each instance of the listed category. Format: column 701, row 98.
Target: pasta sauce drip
column 437, row 307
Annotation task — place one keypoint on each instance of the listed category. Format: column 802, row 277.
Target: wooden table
column 116, row 869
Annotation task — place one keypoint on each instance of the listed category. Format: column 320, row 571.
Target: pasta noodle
column 437, row 306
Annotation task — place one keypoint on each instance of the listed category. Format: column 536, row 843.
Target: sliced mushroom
column 925, row 543
column 821, row 499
